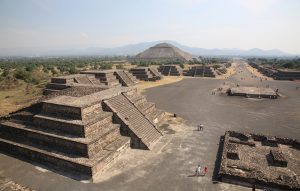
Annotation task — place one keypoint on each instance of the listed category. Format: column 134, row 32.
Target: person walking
column 198, row 170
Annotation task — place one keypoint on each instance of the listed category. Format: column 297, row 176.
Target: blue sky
column 61, row 24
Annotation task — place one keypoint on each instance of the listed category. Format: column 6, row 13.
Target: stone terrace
column 267, row 162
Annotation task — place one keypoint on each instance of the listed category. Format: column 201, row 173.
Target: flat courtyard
column 171, row 165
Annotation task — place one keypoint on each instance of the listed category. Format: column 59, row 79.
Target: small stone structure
column 202, row 71
column 82, row 132
column 146, row 73
column 247, row 161
column 252, row 92
column 95, row 78
column 170, row 70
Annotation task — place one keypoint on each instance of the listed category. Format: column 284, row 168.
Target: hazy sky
column 34, row 24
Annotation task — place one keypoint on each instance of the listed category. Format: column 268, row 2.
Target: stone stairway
column 142, row 132
column 66, row 137
column 94, row 80
column 170, row 70
column 148, row 109
column 156, row 74
column 124, row 79
column 133, row 78
column 145, row 73
column 82, row 80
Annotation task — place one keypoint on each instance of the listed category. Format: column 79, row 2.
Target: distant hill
column 163, row 51
column 134, row 49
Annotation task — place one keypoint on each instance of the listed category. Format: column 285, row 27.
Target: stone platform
column 81, row 135
column 93, row 78
column 253, row 92
column 263, row 161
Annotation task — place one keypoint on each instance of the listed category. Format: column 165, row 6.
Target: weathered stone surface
column 262, row 164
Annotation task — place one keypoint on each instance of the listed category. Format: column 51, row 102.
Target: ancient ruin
column 266, row 162
column 170, row 70
column 252, row 92
column 277, row 74
column 80, row 131
column 146, row 73
column 202, row 71
column 95, row 78
column 163, row 52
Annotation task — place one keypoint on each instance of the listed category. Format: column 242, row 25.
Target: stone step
column 72, row 127
column 85, row 147
column 55, row 86
column 124, row 79
column 82, row 80
column 133, row 78
column 49, row 91
column 84, row 167
column 134, row 119
column 146, row 107
column 59, row 108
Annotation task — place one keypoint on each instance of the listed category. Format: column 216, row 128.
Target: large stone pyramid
column 163, row 51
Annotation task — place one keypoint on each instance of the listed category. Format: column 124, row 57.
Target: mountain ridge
column 134, row 49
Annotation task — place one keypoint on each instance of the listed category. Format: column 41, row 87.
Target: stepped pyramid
column 81, row 134
column 162, row 52
column 170, row 70
column 93, row 78
column 146, row 73
column 202, row 71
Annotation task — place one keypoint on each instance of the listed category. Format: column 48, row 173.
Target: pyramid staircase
column 141, row 130
column 125, row 79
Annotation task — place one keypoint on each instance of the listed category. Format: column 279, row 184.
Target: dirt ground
column 255, row 72
column 143, row 85
column 171, row 164
column 17, row 98
column 230, row 71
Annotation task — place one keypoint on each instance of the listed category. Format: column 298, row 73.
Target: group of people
column 200, row 127
column 199, row 172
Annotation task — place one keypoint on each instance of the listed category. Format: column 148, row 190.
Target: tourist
column 205, row 170
column 198, row 170
column 201, row 127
